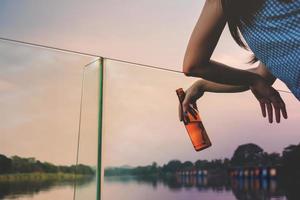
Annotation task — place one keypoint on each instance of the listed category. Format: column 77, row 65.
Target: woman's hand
column 269, row 98
column 192, row 94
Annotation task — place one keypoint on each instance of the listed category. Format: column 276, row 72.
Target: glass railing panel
column 86, row 186
column 142, row 134
column 40, row 92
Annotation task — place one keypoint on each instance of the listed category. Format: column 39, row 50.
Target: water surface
column 192, row 188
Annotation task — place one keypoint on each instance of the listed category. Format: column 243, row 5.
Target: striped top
column 274, row 38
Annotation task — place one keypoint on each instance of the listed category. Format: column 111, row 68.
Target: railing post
column 100, row 119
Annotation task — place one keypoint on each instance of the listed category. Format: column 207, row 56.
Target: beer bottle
column 194, row 126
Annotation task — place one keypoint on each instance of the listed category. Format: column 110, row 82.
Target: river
column 48, row 190
column 134, row 188
column 196, row 188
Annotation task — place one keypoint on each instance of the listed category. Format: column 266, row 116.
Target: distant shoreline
column 37, row 176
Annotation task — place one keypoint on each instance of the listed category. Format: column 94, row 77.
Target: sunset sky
column 140, row 114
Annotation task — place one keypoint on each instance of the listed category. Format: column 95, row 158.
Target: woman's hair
column 239, row 12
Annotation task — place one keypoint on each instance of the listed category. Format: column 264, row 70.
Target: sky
column 149, row 32
column 141, row 123
column 139, row 111
column 40, row 102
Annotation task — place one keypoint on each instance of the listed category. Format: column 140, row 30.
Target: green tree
column 5, row 164
column 247, row 155
column 154, row 169
column 50, row 168
column 22, row 165
column 187, row 165
column 291, row 160
column 83, row 169
column 172, row 166
column 271, row 159
column 201, row 164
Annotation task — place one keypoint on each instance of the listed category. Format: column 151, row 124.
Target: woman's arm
column 201, row 45
column 209, row 86
column 197, row 61
column 195, row 91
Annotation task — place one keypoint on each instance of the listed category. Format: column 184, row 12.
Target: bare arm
column 210, row 86
column 205, row 36
column 197, row 62
column 197, row 89
column 201, row 86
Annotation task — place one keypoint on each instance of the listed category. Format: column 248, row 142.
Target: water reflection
column 242, row 188
column 33, row 188
column 256, row 188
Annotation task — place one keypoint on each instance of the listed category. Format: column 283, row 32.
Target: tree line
column 16, row 164
column 246, row 155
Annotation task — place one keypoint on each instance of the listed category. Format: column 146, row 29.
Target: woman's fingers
column 279, row 107
column 276, row 103
column 193, row 112
column 263, row 108
column 195, row 106
column 269, row 99
column 282, row 107
column 283, row 110
column 180, row 112
column 185, row 108
column 189, row 106
column 277, row 112
column 270, row 111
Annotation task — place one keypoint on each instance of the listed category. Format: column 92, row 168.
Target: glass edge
column 99, row 167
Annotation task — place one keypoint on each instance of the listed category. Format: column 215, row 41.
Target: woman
column 271, row 29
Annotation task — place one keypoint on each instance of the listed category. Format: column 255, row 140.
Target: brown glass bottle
column 194, row 127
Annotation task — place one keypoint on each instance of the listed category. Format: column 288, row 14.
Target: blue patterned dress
column 274, row 38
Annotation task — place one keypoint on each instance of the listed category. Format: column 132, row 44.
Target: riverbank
column 21, row 177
